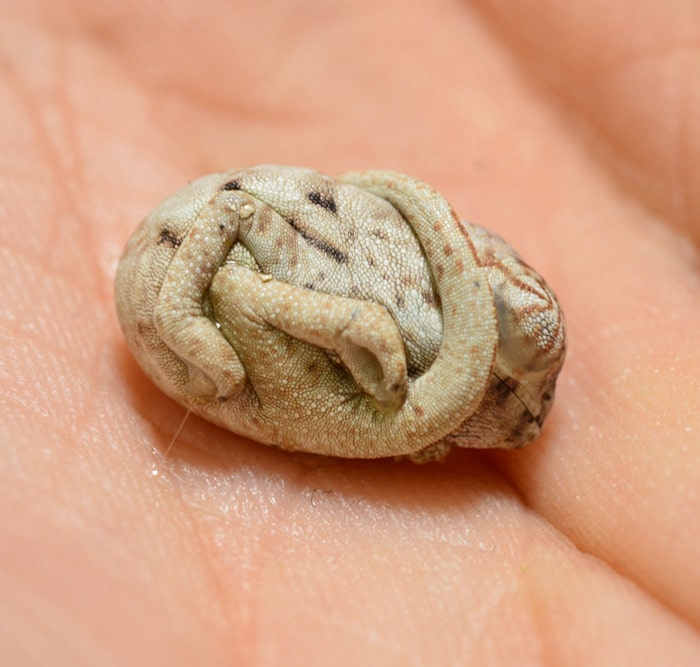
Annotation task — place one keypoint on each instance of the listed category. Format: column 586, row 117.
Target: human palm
column 570, row 129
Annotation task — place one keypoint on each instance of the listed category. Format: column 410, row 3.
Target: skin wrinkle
column 577, row 540
column 602, row 562
column 577, row 537
column 683, row 128
column 641, row 56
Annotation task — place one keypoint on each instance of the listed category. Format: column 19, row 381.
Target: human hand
column 566, row 128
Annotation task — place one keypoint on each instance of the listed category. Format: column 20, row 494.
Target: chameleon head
column 531, row 345
column 530, row 353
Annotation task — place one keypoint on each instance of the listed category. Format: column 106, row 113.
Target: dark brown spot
column 448, row 250
column 418, row 410
column 323, row 201
column 326, row 248
column 231, row 185
column 168, row 238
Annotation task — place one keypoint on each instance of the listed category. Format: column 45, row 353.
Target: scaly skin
column 355, row 317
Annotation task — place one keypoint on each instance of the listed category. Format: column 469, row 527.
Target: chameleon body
column 353, row 316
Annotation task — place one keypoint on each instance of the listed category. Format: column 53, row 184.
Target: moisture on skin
column 354, row 317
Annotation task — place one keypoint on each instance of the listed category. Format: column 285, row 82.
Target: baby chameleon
column 354, row 317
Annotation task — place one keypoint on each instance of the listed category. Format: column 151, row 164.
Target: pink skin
column 566, row 127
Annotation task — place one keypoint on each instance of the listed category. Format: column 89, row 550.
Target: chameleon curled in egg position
column 353, row 316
